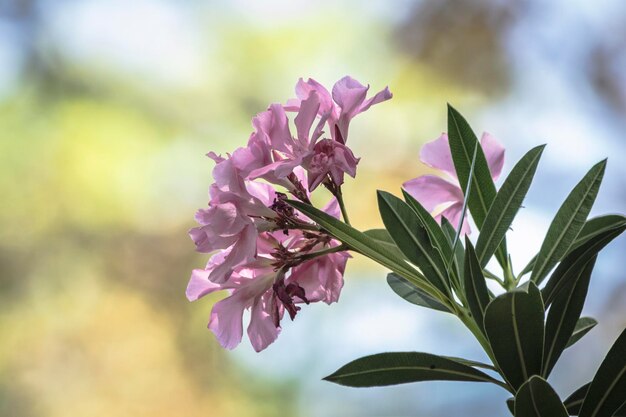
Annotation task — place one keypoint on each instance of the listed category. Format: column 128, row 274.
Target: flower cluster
column 267, row 255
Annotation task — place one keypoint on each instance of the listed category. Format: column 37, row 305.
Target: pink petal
column 453, row 214
column 242, row 251
column 348, row 93
column 332, row 208
column 381, row 96
column 305, row 118
column 494, row 153
column 303, row 89
column 262, row 330
column 277, row 171
column 199, row 285
column 437, row 154
column 227, row 320
column 432, row 191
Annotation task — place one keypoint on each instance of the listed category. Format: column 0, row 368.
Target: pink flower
column 237, row 210
column 347, row 100
column 273, row 152
column 267, row 289
column 442, row 196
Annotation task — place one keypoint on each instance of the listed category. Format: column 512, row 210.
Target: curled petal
column 382, row 95
column 494, row 153
column 349, row 94
column 305, row 118
column 437, row 154
column 432, row 191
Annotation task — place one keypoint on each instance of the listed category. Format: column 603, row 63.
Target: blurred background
column 107, row 109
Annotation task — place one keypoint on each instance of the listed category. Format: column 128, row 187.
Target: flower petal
column 199, row 285
column 305, row 118
column 432, row 191
column 453, row 214
column 241, row 252
column 437, row 154
column 227, row 320
column 262, row 330
column 348, row 93
column 494, row 153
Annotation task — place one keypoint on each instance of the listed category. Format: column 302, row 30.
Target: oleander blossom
column 442, row 196
column 267, row 255
column 273, row 151
column 267, row 287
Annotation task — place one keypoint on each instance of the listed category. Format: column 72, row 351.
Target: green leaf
column 536, row 398
column 506, row 205
column 583, row 326
column 607, row 392
column 412, row 238
column 365, row 245
column 412, row 294
column 462, row 144
column 404, row 367
column 466, row 196
column 475, row 286
column 574, row 401
column 463, row 141
column 514, row 326
column 382, row 237
column 437, row 236
column 568, row 222
column 592, row 228
column 459, row 251
column 569, row 269
column 470, row 362
column 564, row 315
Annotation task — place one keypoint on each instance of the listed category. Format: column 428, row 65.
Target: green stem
column 491, row 275
column 509, row 280
column 482, row 339
column 312, row 255
column 342, row 206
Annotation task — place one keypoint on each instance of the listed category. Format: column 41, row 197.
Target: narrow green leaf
column 382, row 237
column 564, row 315
column 463, row 141
column 506, row 205
column 467, row 194
column 475, row 286
column 570, row 267
column 592, row 228
column 514, row 326
column 583, row 326
column 364, row 244
column 412, row 238
column 575, row 401
column 607, row 392
column 470, row 362
column 568, row 222
column 404, row 367
column 438, row 238
column 536, row 398
column 462, row 144
column 459, row 251
column 412, row 294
